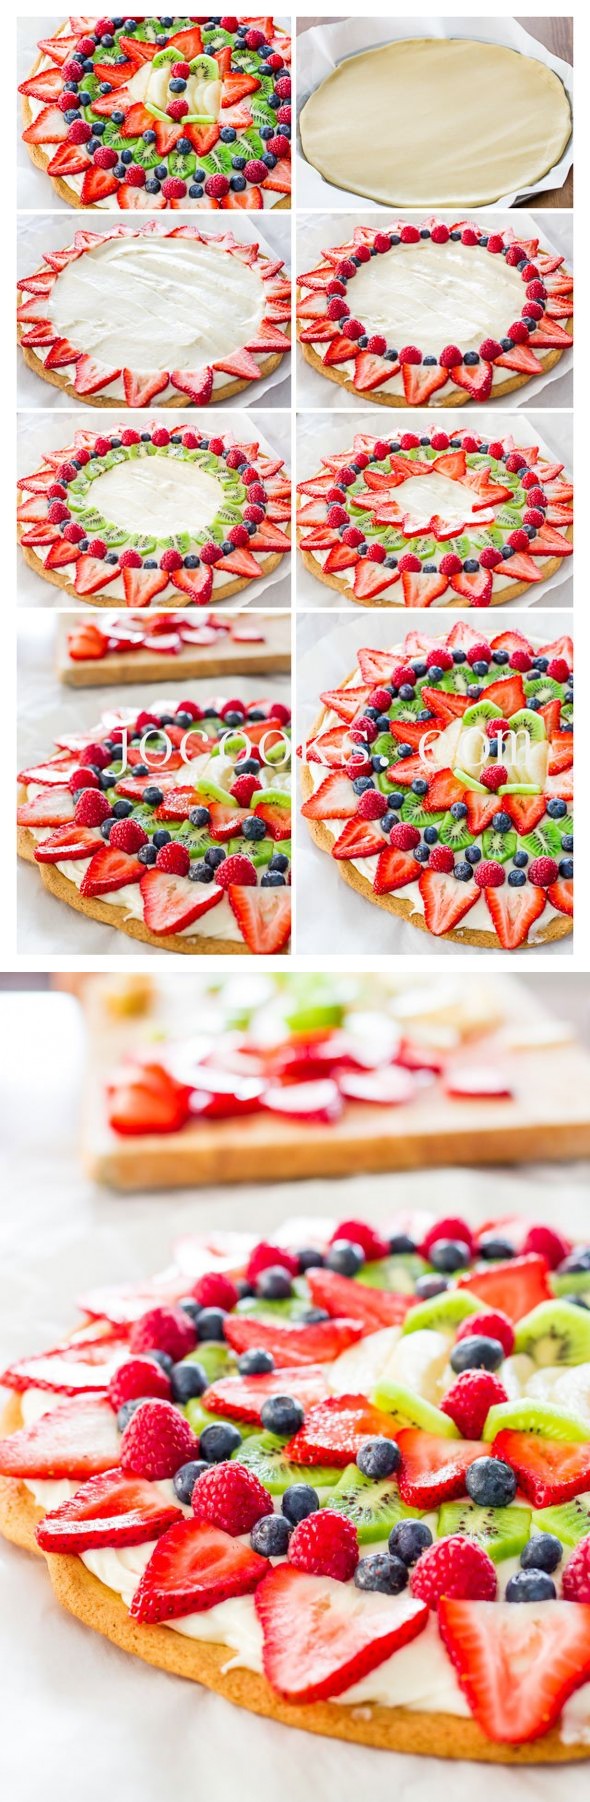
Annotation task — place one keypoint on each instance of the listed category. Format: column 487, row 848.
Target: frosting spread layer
column 426, row 292
column 165, row 494
column 157, row 303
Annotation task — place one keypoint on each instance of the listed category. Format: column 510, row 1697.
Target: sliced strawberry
column 443, row 791
column 235, row 88
column 108, row 870
column 137, row 199
column 193, row 1567
column 525, row 811
column 395, row 869
column 171, row 903
column 93, row 574
column 113, row 1509
column 371, row 578
column 69, row 159
column 241, row 364
column 520, row 358
column 432, row 1468
column 513, row 911
column 478, row 1081
column 332, row 748
column 561, row 896
column 147, row 1100
column 251, row 200
column 335, row 799
column 561, row 752
column 548, row 542
column 317, row 1102
column 140, row 389
column 445, row 706
column 225, row 822
column 78, row 1439
column 370, row 371
column 420, row 382
column 98, row 184
column 475, row 588
column 341, row 1295
column 242, row 1398
column 196, row 583
column 508, row 695
column 141, row 585
column 264, row 918
column 515, row 1287
column 446, row 901
column 524, row 569
column 46, row 85
column 346, row 702
column 334, row 1430
column 360, row 838
column 517, row 1666
column 480, row 810
column 389, row 1087
column 422, row 590
column 561, row 647
column 321, row 1636
column 67, row 842
column 409, row 732
column 549, row 1471
column 477, row 380
column 404, row 772
column 512, row 641
column 291, row 1344
column 241, row 563
column 276, row 819
column 49, row 127
column 53, row 807
column 196, row 383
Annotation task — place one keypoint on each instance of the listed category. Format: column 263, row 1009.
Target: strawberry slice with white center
column 289, row 1344
column 335, row 799
column 78, row 1439
column 517, row 1666
column 334, row 1430
column 481, row 1082
column 113, row 1509
column 432, row 1468
column 309, row 1102
column 516, row 1286
column 549, row 1471
column 384, row 1088
column 172, row 903
column 341, row 1295
column 69, row 1369
column 192, row 1568
column 53, row 807
column 242, row 1398
column 68, row 842
column 321, row 1636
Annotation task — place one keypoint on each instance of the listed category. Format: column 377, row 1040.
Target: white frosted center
column 157, row 303
column 432, row 295
column 158, row 494
column 423, row 496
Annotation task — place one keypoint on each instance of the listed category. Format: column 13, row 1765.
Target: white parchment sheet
column 320, row 436
column 320, row 50
column 39, row 433
column 318, row 231
column 38, row 232
column 331, row 917
column 98, row 1723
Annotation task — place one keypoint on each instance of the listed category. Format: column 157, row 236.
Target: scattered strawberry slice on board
column 479, row 1083
column 333, row 1431
column 515, row 1287
column 320, row 1343
column 242, row 1398
column 77, row 1439
column 113, row 1509
column 517, row 1666
column 321, row 1636
column 194, row 1567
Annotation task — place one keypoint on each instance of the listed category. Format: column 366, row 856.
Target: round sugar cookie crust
column 227, row 391
column 97, row 600
column 332, row 581
column 458, row 399
column 19, row 1512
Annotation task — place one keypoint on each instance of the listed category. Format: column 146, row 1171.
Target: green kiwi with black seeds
column 373, row 1508
column 555, row 1333
column 501, row 1531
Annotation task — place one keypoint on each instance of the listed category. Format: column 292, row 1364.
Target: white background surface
column 40, row 433
column 317, row 232
column 81, row 1722
column 319, row 51
column 39, row 232
column 320, row 435
column 44, row 708
column 329, row 912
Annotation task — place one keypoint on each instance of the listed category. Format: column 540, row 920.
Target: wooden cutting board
column 227, row 657
column 548, row 1116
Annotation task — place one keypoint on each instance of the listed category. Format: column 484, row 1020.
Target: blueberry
column 201, row 872
column 406, row 692
column 298, row 1501
column 473, row 854
column 448, row 1255
column 281, row 1414
column 344, row 1257
column 280, row 862
column 161, row 837
column 255, row 1363
column 254, row 828
column 477, row 1352
column 530, row 1586
column 567, row 842
column 430, row 835
column 163, row 1359
column 211, row 1323
column 309, row 1257
column 422, row 853
column 401, row 1244
column 274, row 1284
column 500, row 656
column 408, row 1539
column 463, row 872
column 521, row 858
column 435, row 672
column 395, row 799
column 191, row 1308
column 459, row 656
column 474, row 691
column 458, row 810
column 187, row 1380
column 153, row 795
column 128, row 1408
column 429, row 1286
column 184, row 1480
column 542, row 1552
column 387, row 1575
column 490, row 1246
column 219, row 1442
column 501, row 822
column 577, row 1262
column 214, row 856
column 270, row 1536
column 378, row 1458
column 106, row 827
column 566, row 869
column 419, row 787
column 311, row 1316
column 122, row 809
column 361, row 783
column 491, row 1483
column 516, row 878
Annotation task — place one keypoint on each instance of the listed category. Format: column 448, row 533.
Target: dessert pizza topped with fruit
column 435, row 315
column 431, row 517
column 440, row 779
column 172, row 824
column 182, row 315
column 342, row 1477
column 160, row 113
column 211, row 507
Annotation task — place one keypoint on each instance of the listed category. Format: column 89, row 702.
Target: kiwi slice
column 576, row 1282
column 527, row 1416
column 501, row 1531
column 406, row 710
column 480, row 711
column 199, row 1417
column 291, row 1308
column 373, row 1508
column 216, row 1358
column 527, row 721
column 498, row 845
column 264, row 1455
column 543, row 688
column 398, row 1273
column 197, row 839
column 382, row 745
column 570, row 1521
column 455, row 680
column 412, row 1410
column 555, row 1333
column 316, row 1018
column 442, row 1311
column 544, row 840
column 470, row 781
column 415, row 812
column 455, row 833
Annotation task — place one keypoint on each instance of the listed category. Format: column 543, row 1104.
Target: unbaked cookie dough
column 437, row 122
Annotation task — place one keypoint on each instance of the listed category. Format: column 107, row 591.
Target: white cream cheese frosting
column 421, row 497
column 164, row 494
column 425, row 293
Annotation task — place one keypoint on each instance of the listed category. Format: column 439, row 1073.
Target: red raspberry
column 490, row 874
column 537, row 497
column 104, row 27
column 490, row 349
column 92, row 808
column 454, row 1567
column 439, row 658
column 381, row 242
column 440, row 234
column 216, row 445
column 191, row 707
column 283, row 87
column 363, row 253
column 404, row 837
column 520, row 660
column 495, row 244
column 451, row 1227
column 519, row 335
column 450, row 357
column 97, row 548
column 552, row 1245
column 82, row 779
column 543, row 871
column 558, row 669
column 364, row 729
column 73, row 533
column 468, row 236
column 469, row 1400
column 345, row 269
column 228, row 23
column 164, row 1329
column 357, row 1232
column 515, row 254
column 536, row 291
column 335, row 287
column 73, row 70
column 518, row 540
column 56, row 512
column 238, row 536
column 266, row 1256
column 156, row 1441
column 533, row 517
column 377, row 346
column 376, row 553
column 278, row 146
column 67, row 471
column 138, row 1376
column 94, row 753
column 243, row 789
column 470, row 443
column 181, row 71
column 254, row 39
column 493, row 777
column 230, row 1497
column 236, row 870
column 105, row 158
column 533, row 310
column 575, row 1585
column 410, row 564
column 441, row 858
column 346, row 477
column 450, row 564
column 172, row 187
column 530, row 272
column 494, row 727
column 146, row 719
column 191, row 440
column 325, row 1545
column 352, row 328
column 440, row 440
column 255, row 170
column 135, row 176
column 215, row 1291
column 352, row 536
column 79, row 132
column 170, row 561
column 217, row 186
column 490, row 557
column 492, row 1324
column 479, row 653
column 409, row 234
column 284, row 115
column 160, row 437
column 129, row 436
column 409, row 354
column 337, row 516
column 358, row 766
column 337, row 309
column 408, row 441
column 210, row 553
column 254, row 515
column 128, row 835
column 381, row 698
column 372, row 805
column 173, row 858
column 56, row 492
column 280, row 712
column 130, row 560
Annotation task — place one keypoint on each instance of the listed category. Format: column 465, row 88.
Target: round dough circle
column 490, row 122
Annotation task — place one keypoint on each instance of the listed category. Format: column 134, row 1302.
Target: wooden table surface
column 557, row 35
